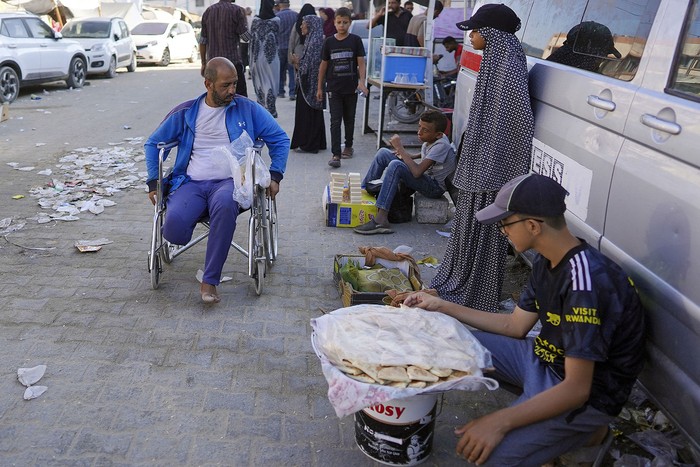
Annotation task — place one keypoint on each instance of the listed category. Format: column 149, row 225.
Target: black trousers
column 343, row 108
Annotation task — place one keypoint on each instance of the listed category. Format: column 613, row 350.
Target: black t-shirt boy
column 341, row 55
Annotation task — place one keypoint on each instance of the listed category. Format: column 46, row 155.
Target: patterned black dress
column 495, row 148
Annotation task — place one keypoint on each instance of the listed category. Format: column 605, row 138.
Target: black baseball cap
column 531, row 194
column 492, row 15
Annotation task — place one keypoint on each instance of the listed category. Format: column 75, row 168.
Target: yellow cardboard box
column 348, row 214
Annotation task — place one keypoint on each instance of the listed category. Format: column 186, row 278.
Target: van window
column 602, row 36
column 686, row 80
column 630, row 22
column 548, row 24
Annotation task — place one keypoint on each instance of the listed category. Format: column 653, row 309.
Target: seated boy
column 577, row 373
column 426, row 176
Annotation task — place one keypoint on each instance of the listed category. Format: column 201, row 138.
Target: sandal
column 347, row 153
column 334, row 162
column 372, row 228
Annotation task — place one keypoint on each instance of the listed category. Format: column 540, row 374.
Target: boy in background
column 426, row 176
column 343, row 72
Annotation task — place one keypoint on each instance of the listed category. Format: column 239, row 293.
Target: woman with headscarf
column 296, row 40
column 309, row 125
column 328, row 17
column 264, row 59
column 495, row 148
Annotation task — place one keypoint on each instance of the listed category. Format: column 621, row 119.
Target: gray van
column 615, row 86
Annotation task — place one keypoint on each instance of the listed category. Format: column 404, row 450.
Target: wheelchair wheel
column 156, row 269
column 259, row 276
column 256, row 240
column 273, row 229
column 154, row 260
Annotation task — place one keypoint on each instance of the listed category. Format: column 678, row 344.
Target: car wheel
column 112, row 72
column 195, row 54
column 165, row 59
column 9, row 84
column 76, row 73
column 132, row 66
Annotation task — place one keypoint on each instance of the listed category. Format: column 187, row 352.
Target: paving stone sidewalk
column 153, row 377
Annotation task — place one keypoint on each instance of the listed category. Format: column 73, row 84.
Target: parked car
column 161, row 42
column 617, row 123
column 107, row 43
column 32, row 53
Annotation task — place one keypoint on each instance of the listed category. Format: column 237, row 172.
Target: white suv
column 107, row 42
column 31, row 53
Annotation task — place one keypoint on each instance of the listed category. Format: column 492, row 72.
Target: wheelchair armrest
column 167, row 146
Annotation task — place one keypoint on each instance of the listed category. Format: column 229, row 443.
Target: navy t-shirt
column 589, row 309
column 341, row 55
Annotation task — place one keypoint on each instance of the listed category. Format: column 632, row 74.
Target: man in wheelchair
column 196, row 189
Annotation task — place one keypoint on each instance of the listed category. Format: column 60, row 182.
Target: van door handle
column 600, row 103
column 661, row 125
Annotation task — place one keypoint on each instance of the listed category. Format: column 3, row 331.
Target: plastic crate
column 351, row 296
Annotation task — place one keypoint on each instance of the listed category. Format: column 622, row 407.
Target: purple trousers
column 197, row 200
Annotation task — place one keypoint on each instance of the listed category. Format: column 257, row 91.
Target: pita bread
column 441, row 372
column 397, row 384
column 457, row 374
column 394, row 373
column 348, row 369
column 363, row 378
column 371, row 370
column 417, row 384
column 419, row 374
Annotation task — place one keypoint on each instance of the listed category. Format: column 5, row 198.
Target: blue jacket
column 241, row 114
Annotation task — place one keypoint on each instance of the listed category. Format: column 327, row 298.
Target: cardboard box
column 351, row 296
column 347, row 214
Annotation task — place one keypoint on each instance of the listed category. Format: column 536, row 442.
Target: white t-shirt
column 209, row 133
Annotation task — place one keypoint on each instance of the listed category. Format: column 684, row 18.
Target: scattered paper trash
column 6, row 226
column 32, row 392
column 85, row 246
column 127, row 127
column 29, row 376
column 17, row 196
column 34, row 97
column 24, row 169
column 45, row 172
column 443, row 234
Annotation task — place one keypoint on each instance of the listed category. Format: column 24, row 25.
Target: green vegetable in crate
column 349, row 272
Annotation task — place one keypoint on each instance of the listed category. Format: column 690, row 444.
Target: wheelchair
column 262, row 244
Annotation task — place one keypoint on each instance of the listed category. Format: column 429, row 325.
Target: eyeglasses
column 502, row 227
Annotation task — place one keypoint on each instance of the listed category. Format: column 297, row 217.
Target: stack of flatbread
column 408, row 376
